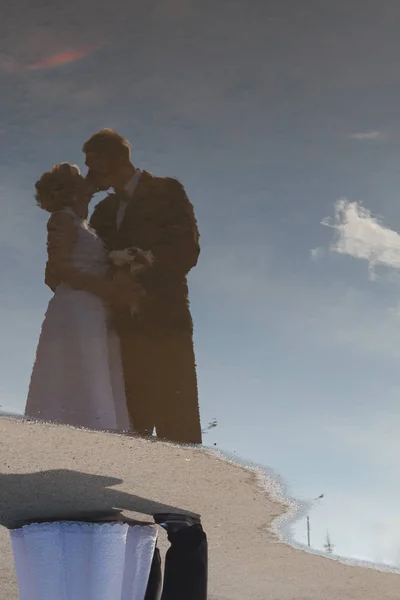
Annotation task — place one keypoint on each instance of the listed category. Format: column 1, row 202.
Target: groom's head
column 108, row 158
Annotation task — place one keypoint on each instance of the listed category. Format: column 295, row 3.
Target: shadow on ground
column 66, row 494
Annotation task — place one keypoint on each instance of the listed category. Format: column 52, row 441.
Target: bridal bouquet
column 130, row 262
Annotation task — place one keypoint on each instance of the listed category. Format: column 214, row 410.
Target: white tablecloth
column 83, row 561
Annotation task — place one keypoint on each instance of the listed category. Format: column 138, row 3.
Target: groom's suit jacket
column 160, row 218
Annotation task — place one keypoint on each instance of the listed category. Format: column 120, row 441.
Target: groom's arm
column 97, row 219
column 176, row 245
column 100, row 219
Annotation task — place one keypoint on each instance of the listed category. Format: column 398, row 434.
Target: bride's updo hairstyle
column 57, row 188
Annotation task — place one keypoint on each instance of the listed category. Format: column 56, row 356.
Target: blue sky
column 276, row 116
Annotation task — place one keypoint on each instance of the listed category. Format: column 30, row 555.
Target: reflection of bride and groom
column 116, row 346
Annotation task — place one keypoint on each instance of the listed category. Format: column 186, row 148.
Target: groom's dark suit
column 157, row 343
column 186, row 568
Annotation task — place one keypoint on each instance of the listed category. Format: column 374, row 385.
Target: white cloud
column 363, row 136
column 363, row 236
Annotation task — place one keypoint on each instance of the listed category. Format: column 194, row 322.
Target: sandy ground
column 50, row 471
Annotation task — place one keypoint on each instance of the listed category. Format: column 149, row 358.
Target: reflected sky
column 281, row 120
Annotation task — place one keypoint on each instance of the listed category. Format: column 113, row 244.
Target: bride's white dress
column 77, row 377
column 83, row 561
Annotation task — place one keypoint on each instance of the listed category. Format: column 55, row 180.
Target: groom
column 151, row 213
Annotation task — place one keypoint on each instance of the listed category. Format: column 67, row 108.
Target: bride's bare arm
column 61, row 239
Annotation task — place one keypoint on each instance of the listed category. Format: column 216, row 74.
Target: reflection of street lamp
column 328, row 546
column 308, row 521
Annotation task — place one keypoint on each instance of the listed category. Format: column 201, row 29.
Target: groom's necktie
column 123, row 200
column 126, row 196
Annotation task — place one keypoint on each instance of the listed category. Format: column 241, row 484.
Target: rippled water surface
column 281, row 122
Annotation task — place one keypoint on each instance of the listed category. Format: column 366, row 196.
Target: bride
column 77, row 377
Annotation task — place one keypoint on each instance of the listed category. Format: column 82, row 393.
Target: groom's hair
column 108, row 143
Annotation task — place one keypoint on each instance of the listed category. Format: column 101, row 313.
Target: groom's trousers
column 161, row 383
column 186, row 567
